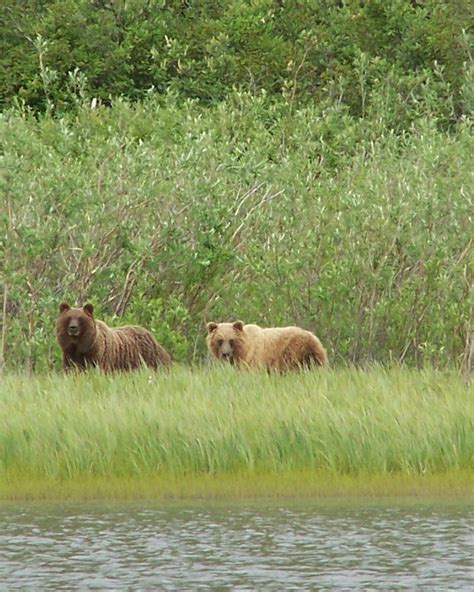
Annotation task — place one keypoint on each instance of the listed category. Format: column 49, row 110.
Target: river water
column 237, row 546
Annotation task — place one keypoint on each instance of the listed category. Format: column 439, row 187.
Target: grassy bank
column 220, row 433
column 451, row 485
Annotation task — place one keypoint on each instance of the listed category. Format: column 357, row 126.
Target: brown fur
column 86, row 342
column 276, row 348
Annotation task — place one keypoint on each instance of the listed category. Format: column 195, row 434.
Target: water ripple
column 235, row 547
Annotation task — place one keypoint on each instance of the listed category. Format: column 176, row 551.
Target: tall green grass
column 219, row 422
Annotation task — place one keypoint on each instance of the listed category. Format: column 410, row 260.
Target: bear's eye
column 220, row 342
column 231, row 342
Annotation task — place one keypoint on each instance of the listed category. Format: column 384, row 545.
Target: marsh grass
column 218, row 431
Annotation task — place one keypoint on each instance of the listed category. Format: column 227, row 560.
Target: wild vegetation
column 285, row 163
column 178, row 162
column 56, row 53
column 326, row 426
column 170, row 216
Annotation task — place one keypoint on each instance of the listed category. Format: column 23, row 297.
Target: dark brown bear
column 87, row 342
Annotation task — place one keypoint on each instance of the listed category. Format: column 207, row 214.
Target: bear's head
column 76, row 324
column 226, row 341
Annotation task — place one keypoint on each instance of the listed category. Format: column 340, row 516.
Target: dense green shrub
column 56, row 53
column 170, row 215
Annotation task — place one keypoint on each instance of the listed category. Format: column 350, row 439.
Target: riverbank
column 218, row 434
column 453, row 485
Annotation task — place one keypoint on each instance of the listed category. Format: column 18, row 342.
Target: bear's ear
column 63, row 307
column 211, row 327
column 88, row 309
column 238, row 326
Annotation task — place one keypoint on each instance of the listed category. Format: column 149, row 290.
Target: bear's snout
column 73, row 328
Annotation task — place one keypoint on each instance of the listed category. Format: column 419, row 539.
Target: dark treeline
column 56, row 53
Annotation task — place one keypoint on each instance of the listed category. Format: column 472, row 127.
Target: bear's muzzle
column 73, row 328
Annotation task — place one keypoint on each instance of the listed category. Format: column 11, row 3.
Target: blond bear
column 276, row 348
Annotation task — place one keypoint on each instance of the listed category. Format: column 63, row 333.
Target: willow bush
column 169, row 214
column 56, row 53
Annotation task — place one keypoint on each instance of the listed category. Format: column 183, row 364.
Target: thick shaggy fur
column 86, row 342
column 276, row 348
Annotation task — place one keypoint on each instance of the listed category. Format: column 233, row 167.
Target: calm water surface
column 236, row 546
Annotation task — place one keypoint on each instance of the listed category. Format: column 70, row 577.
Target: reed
column 212, row 423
